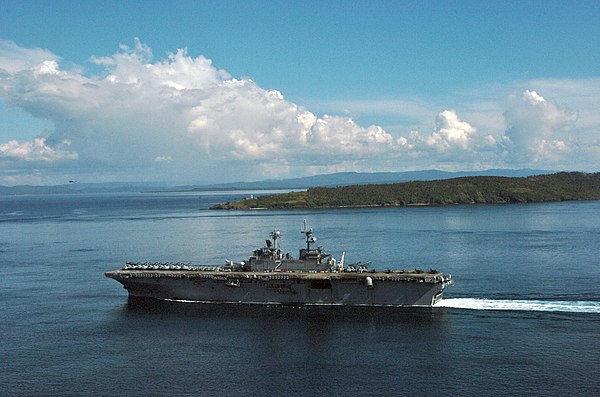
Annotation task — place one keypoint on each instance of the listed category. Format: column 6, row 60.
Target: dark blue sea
column 523, row 317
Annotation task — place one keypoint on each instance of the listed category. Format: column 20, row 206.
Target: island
column 561, row 186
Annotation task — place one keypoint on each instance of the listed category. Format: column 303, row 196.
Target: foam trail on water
column 524, row 305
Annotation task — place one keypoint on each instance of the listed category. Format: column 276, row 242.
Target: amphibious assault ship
column 271, row 277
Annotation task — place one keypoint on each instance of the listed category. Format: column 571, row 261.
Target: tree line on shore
column 466, row 190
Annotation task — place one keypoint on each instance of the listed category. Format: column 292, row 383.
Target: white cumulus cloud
column 141, row 112
column 538, row 129
column 450, row 132
column 37, row 150
column 451, row 139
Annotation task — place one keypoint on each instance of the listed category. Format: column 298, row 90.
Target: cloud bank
column 183, row 118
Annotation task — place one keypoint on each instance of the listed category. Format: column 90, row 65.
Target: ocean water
column 523, row 317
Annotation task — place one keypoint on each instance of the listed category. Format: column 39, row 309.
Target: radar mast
column 309, row 237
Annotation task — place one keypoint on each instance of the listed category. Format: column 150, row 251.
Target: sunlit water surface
column 523, row 317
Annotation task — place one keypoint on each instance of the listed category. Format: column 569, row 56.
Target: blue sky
column 294, row 88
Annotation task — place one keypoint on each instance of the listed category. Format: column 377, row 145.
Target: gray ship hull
column 321, row 288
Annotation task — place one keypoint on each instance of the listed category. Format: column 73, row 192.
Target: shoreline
column 564, row 186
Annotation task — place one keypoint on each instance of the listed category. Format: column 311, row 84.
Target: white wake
column 524, row 305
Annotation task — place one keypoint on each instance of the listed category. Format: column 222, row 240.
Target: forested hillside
column 467, row 190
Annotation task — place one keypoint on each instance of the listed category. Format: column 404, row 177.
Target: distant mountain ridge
column 366, row 178
column 324, row 180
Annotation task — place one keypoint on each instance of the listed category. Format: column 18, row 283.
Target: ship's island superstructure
column 271, row 277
